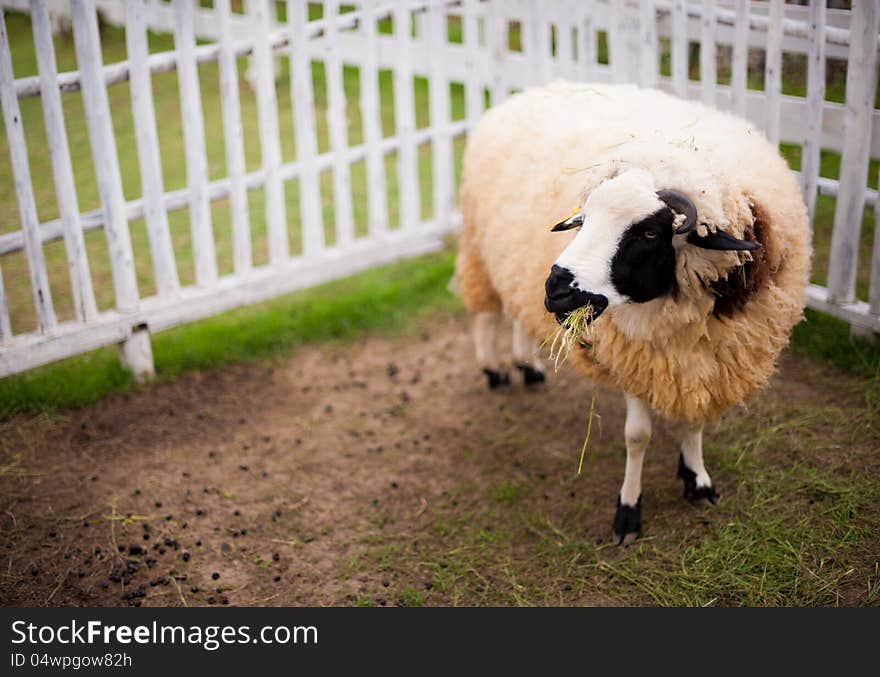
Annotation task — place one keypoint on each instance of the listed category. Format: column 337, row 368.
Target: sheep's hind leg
column 525, row 356
column 485, row 340
column 697, row 483
column 628, row 518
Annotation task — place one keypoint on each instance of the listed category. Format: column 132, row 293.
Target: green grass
column 388, row 298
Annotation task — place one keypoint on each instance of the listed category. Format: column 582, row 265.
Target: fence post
column 811, row 154
column 649, row 66
column 708, row 56
column 861, row 84
column 739, row 68
column 302, row 99
column 21, row 174
column 773, row 70
column 87, row 42
column 679, row 48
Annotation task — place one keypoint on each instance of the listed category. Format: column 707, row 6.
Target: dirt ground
column 340, row 475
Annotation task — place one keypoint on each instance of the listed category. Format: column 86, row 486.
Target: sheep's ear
column 720, row 240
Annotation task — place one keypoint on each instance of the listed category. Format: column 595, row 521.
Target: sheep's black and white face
column 622, row 253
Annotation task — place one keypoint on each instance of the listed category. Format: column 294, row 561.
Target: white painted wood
column 536, row 39
column 194, row 145
column 270, row 143
column 795, row 39
column 136, row 353
column 874, row 288
column 405, row 121
column 242, row 255
column 21, row 173
column 473, row 85
column 811, row 151
column 31, row 350
column 219, row 189
column 587, row 56
column 679, row 48
column 438, row 94
column 83, row 294
column 649, row 60
column 147, row 140
column 739, row 66
column 371, row 115
column 562, row 18
column 496, row 23
column 625, row 39
column 708, row 55
column 337, row 122
column 773, row 70
column 5, row 325
column 302, row 97
column 87, row 43
column 861, row 85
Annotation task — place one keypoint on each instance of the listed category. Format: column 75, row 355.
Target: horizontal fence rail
column 488, row 48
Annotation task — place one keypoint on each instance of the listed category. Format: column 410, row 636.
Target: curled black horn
column 680, row 204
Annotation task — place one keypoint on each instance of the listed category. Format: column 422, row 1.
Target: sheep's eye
column 650, row 234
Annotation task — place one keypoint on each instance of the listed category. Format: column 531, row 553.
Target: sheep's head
column 625, row 249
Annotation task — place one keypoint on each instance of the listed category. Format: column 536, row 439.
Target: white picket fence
column 558, row 39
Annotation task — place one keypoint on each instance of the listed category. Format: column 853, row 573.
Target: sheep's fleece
column 539, row 154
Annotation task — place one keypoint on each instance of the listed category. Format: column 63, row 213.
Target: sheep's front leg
column 525, row 355
column 628, row 519
column 485, row 339
column 697, row 483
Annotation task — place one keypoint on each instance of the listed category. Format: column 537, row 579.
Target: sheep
column 689, row 240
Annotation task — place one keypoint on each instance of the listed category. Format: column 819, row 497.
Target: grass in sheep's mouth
column 568, row 334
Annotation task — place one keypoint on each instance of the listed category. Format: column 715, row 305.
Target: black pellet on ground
column 215, row 576
column 276, row 556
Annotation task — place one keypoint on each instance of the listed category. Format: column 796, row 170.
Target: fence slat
column 85, row 308
column 234, row 141
column 377, row 201
column 5, row 325
column 438, row 93
column 649, row 58
column 302, row 97
column 473, row 86
column 496, row 39
column 811, row 153
column 147, row 139
column 739, row 68
column 562, row 18
column 773, row 70
column 337, row 121
column 194, row 142
column 405, row 120
column 874, row 289
column 861, row 84
column 708, row 56
column 587, row 55
column 679, row 48
column 27, row 208
column 87, row 43
column 270, row 143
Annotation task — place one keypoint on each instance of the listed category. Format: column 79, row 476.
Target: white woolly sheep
column 689, row 240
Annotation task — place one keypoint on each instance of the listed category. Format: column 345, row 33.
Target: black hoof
column 497, row 379
column 693, row 493
column 531, row 376
column 627, row 522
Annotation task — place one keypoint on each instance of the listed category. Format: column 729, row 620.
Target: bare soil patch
column 361, row 473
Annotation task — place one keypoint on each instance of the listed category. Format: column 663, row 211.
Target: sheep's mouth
column 563, row 305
